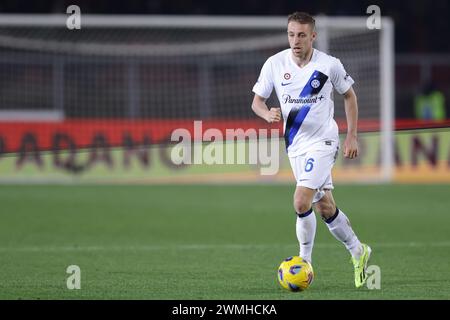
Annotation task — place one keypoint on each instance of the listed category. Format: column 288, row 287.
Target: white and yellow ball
column 295, row 274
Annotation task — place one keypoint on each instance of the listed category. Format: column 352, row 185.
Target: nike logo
column 285, row 84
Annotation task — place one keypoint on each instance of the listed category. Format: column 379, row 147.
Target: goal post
column 336, row 29
column 127, row 75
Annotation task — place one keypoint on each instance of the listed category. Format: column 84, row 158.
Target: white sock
column 306, row 231
column 340, row 228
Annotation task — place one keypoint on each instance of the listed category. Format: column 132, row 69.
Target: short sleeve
column 340, row 79
column 264, row 86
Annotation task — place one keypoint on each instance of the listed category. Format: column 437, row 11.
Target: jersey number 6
column 309, row 164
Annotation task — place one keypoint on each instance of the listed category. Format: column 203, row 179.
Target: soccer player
column 304, row 79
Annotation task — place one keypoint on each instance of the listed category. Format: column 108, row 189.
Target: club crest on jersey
column 287, row 76
column 315, row 83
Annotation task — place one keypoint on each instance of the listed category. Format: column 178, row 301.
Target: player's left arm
column 351, row 113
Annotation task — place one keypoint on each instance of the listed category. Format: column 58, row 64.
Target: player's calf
column 306, row 221
column 326, row 206
column 326, row 210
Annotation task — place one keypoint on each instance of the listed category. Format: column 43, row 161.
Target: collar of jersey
column 306, row 65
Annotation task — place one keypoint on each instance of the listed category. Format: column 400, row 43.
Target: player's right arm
column 262, row 89
column 259, row 106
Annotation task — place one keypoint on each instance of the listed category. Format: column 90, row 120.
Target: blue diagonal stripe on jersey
column 298, row 113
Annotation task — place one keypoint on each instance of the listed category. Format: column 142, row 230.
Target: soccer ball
column 295, row 274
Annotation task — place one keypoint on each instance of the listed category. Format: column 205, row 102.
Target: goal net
column 124, row 81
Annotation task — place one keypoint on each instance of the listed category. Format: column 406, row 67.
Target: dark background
column 421, row 25
column 422, row 29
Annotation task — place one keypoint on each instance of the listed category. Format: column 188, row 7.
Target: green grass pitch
column 214, row 242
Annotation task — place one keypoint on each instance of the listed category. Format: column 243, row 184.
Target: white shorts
column 312, row 169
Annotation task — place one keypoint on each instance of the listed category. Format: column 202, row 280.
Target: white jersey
column 306, row 97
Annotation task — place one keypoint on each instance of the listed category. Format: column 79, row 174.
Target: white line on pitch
column 212, row 247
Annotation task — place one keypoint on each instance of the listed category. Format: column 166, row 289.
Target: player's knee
column 303, row 198
column 301, row 206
